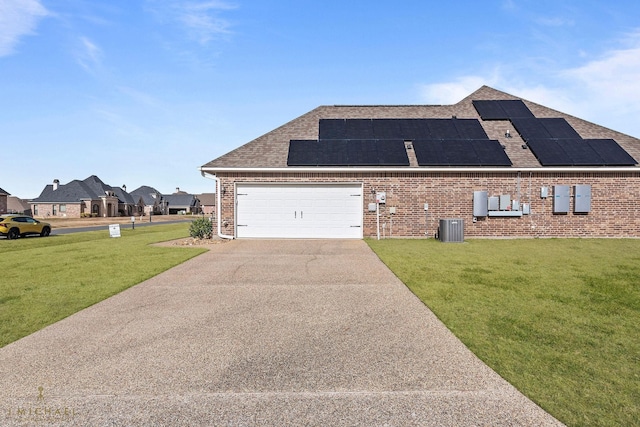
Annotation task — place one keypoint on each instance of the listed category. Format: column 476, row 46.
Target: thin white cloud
column 508, row 4
column 555, row 22
column 89, row 55
column 453, row 91
column 201, row 20
column 140, row 98
column 605, row 90
column 612, row 80
column 18, row 18
column 121, row 125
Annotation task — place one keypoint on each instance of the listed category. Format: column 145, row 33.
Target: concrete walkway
column 258, row 333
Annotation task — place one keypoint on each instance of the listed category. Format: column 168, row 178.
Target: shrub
column 201, row 228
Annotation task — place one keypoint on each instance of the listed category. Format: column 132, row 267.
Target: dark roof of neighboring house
column 73, row 192
column 180, row 200
column 207, row 199
column 3, row 192
column 91, row 188
column 96, row 186
column 272, row 149
column 147, row 193
column 123, row 196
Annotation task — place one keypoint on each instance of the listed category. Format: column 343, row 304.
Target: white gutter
column 218, row 204
column 406, row 169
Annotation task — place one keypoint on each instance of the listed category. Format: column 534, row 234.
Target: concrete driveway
column 258, row 333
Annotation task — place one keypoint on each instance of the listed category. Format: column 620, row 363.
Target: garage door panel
column 299, row 211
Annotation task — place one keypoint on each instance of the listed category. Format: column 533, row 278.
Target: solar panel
column 442, row 129
column 502, row 109
column 392, row 153
column 581, row 154
column 363, row 153
column 387, row 129
column 333, row 153
column 302, row 153
column 345, row 152
column 470, row 129
column 549, row 153
column 406, row 129
column 611, row 153
column 490, row 110
column 460, row 152
column 490, row 153
column 559, row 128
column 359, row 129
column 429, row 152
column 415, row 129
column 530, row 128
column 515, row 108
column 332, row 129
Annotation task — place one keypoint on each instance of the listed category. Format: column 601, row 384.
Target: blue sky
column 143, row 92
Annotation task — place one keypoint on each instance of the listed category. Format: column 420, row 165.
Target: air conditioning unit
column 451, row 230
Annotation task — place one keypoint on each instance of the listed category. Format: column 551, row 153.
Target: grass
column 47, row 279
column 558, row 319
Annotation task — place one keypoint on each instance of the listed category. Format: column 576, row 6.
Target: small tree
column 201, row 228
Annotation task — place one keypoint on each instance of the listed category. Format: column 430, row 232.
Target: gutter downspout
column 218, row 207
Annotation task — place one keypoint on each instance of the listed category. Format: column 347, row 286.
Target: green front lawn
column 559, row 319
column 43, row 280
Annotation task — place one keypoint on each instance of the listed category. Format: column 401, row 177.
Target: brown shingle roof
column 207, row 199
column 271, row 149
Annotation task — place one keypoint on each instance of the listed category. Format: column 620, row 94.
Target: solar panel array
column 353, row 152
column 405, row 129
column 554, row 141
column 534, row 128
column 452, row 142
column 381, row 142
column 502, row 109
column 580, row 152
column 460, row 152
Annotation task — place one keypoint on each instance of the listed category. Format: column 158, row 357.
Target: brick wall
column 45, row 210
column 615, row 202
column 3, row 203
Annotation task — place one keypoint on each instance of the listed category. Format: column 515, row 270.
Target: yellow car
column 14, row 226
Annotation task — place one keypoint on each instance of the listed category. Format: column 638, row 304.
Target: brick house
column 152, row 201
column 76, row 199
column 3, row 201
column 507, row 167
column 17, row 205
column 128, row 204
column 207, row 203
column 182, row 202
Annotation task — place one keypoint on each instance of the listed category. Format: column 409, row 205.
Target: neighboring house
column 3, row 201
column 181, row 202
column 15, row 205
column 505, row 166
column 208, row 203
column 90, row 197
column 152, row 199
column 128, row 204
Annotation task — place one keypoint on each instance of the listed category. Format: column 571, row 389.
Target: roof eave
column 592, row 169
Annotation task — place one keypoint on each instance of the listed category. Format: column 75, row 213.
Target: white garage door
column 299, row 211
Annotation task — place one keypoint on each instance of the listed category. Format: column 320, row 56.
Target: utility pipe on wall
column 378, row 219
column 218, row 204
